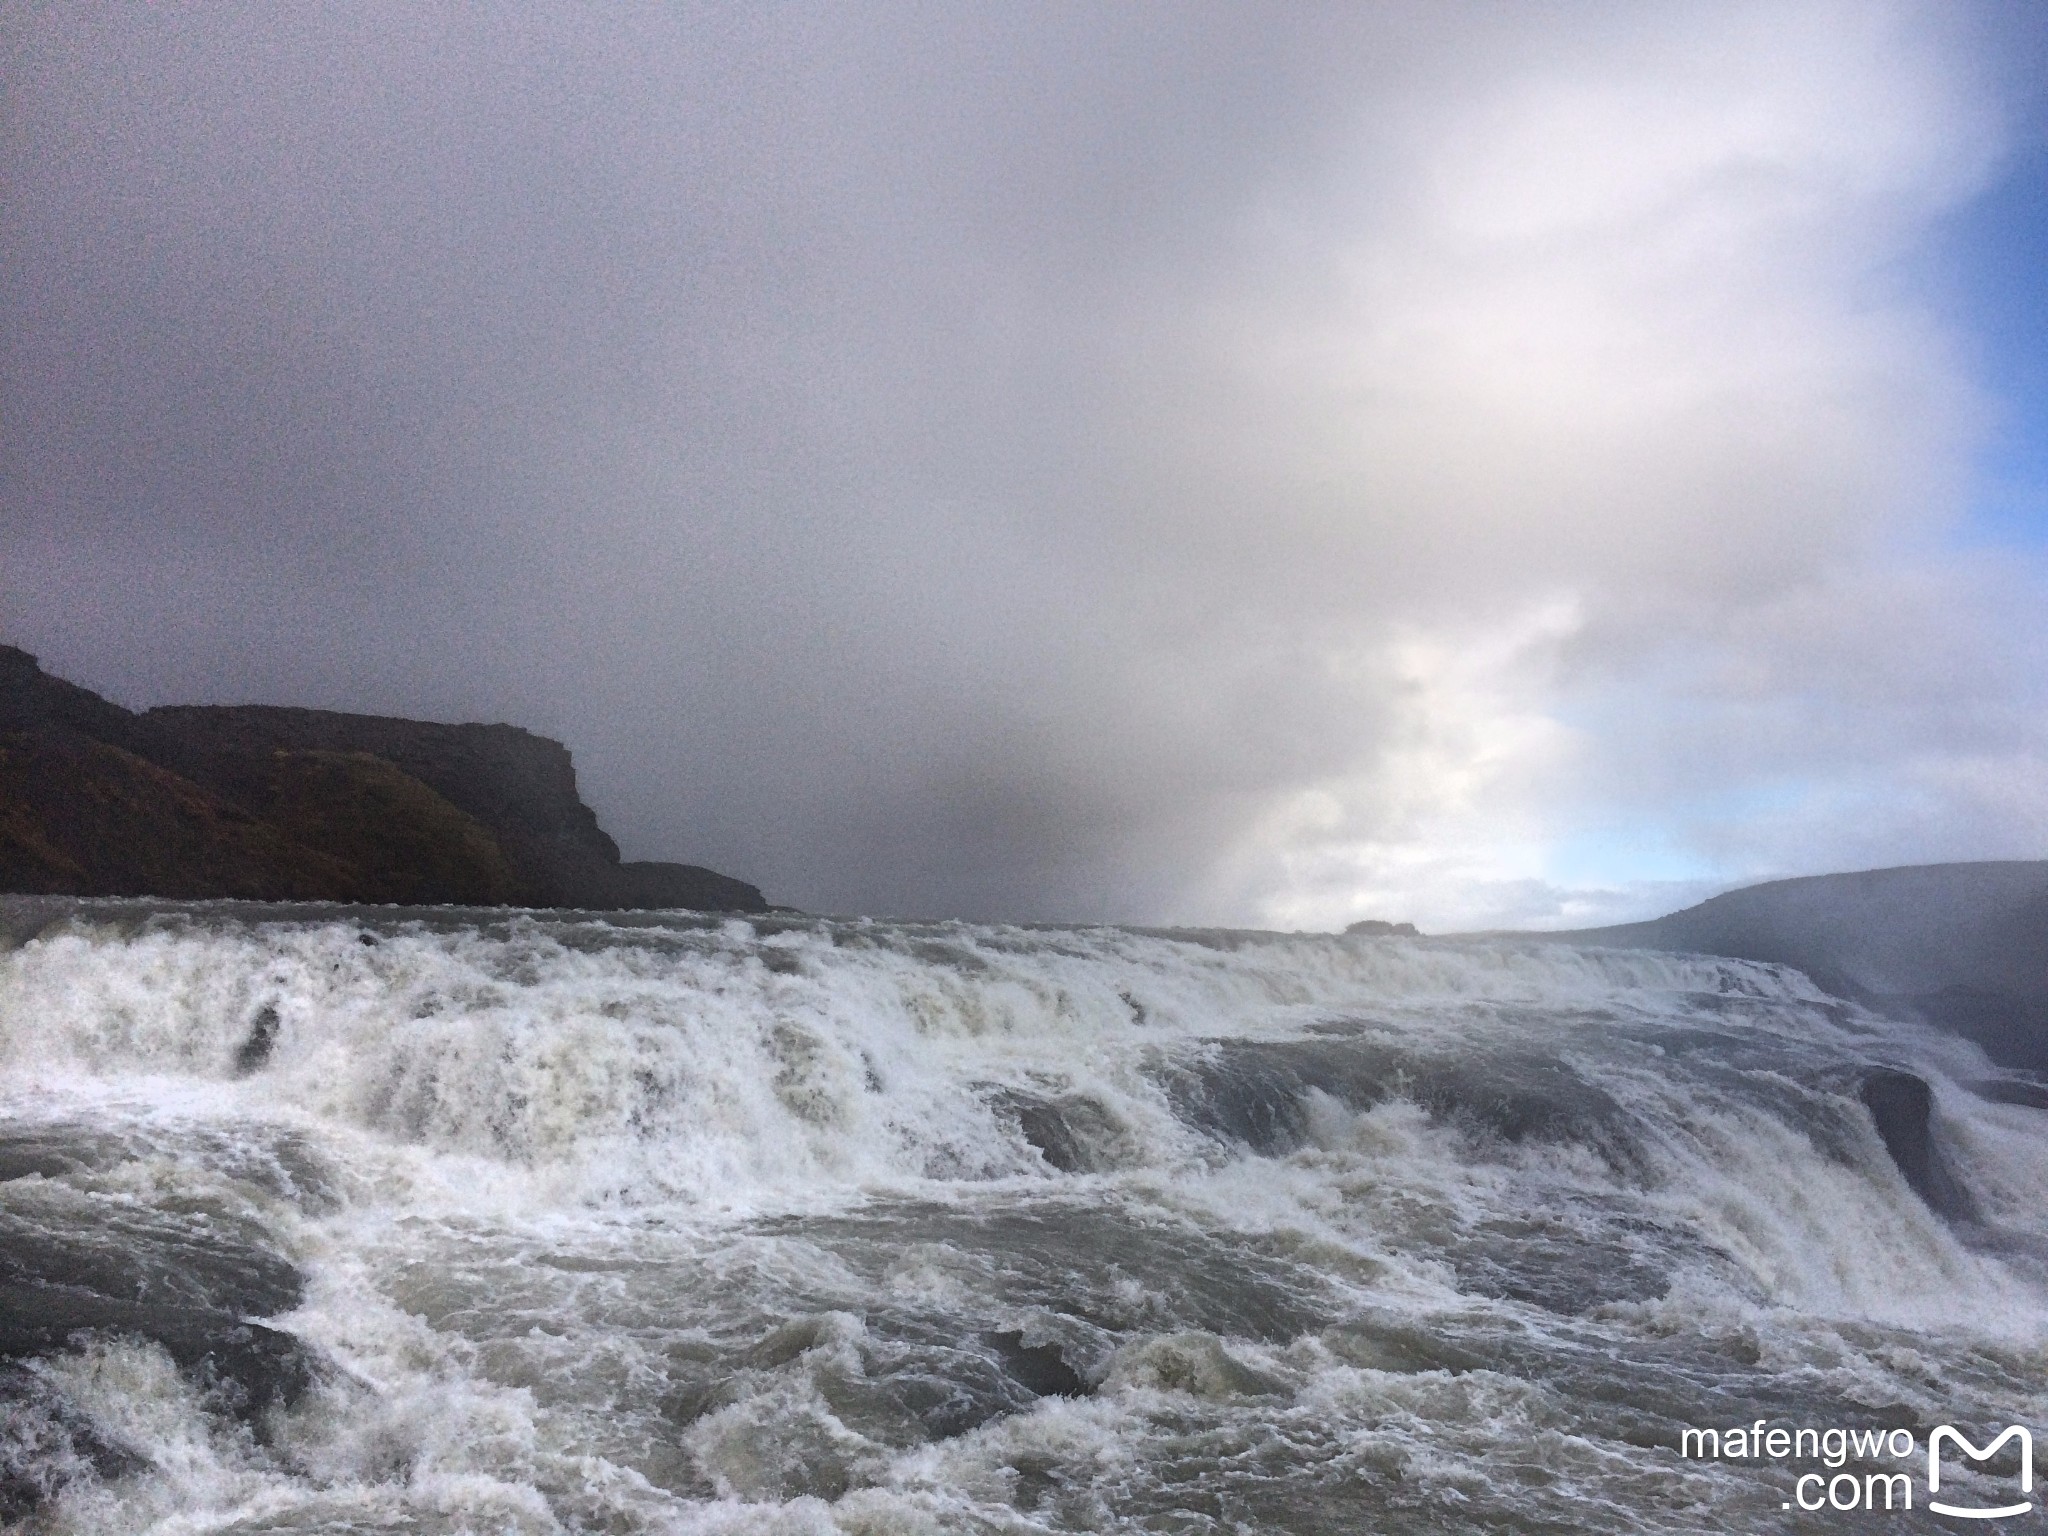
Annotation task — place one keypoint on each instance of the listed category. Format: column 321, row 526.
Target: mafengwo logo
column 1943, row 1433
column 1949, row 1453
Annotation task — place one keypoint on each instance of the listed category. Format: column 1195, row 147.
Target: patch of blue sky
column 2003, row 243
column 1990, row 266
column 1622, row 856
column 1668, row 849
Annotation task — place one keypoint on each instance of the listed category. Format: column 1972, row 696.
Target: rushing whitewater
column 547, row 1222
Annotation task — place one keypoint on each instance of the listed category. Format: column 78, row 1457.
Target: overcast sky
column 1269, row 464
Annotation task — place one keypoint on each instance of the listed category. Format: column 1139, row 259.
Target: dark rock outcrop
column 273, row 804
column 1380, row 928
column 517, row 787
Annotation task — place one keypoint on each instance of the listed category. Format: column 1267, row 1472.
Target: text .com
column 1982, row 1483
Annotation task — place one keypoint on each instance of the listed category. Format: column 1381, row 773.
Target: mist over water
column 560, row 1223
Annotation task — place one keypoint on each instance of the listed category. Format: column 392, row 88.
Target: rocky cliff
column 302, row 804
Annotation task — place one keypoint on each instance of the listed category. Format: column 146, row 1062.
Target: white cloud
column 1471, row 463
column 1630, row 329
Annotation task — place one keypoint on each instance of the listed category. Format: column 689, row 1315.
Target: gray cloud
column 1161, row 462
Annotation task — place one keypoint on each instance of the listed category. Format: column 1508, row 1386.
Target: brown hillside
column 81, row 817
column 299, row 804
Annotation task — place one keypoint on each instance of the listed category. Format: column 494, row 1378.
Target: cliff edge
column 1962, row 946
column 279, row 804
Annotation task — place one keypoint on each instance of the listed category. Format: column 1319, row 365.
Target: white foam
column 537, row 1133
column 715, row 1065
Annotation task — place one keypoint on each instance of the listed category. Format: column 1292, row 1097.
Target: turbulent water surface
column 551, row 1222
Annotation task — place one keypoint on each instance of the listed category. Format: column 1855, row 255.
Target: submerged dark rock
column 83, row 1264
column 73, row 1265
column 1257, row 1093
column 256, row 1049
column 1902, row 1106
column 1073, row 1133
column 245, row 1368
column 275, row 804
column 1040, row 1369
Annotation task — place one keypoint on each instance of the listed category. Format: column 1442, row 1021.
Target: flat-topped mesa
column 518, row 786
column 278, row 803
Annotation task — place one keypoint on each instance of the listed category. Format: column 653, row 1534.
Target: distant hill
column 1964, row 946
column 304, row 805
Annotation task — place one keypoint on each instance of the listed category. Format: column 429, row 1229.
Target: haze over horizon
column 1248, row 464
